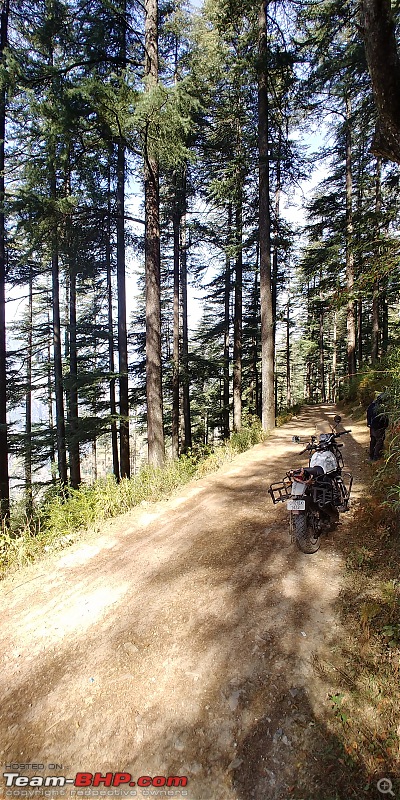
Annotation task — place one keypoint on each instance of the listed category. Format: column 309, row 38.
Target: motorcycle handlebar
column 311, row 445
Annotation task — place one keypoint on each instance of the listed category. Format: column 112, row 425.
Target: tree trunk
column 74, row 458
column 274, row 288
column 111, row 363
column 4, row 479
column 321, row 354
column 227, row 297
column 375, row 322
column 94, row 459
column 58, row 367
column 375, row 288
column 384, row 66
column 58, row 370
column 155, row 432
column 334, row 360
column 309, row 393
column 256, row 339
column 187, row 424
column 28, row 404
column 288, row 376
column 122, row 332
column 360, row 330
column 237, row 324
column 385, row 321
column 52, row 453
column 351, row 322
column 176, row 323
column 267, row 323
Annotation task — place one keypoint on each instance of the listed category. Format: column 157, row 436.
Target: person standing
column 377, row 421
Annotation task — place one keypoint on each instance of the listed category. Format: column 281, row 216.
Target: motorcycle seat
column 327, row 476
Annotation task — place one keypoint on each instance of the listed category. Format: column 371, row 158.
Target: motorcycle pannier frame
column 322, row 492
column 281, row 491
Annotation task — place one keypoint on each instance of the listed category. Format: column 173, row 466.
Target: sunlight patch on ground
column 81, row 556
column 50, row 625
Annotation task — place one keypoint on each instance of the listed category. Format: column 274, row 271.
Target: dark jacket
column 376, row 416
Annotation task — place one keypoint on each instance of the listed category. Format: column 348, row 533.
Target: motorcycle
column 315, row 495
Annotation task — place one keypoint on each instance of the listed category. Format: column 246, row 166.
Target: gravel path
column 179, row 642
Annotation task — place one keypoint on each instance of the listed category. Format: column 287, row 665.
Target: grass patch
column 364, row 671
column 357, row 727
column 61, row 518
column 286, row 414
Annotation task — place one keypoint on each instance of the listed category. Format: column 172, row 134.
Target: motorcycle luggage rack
column 349, row 480
column 322, row 493
column 281, row 491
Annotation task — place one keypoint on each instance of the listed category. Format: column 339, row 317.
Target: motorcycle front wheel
column 305, row 535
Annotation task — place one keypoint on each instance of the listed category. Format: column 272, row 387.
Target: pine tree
column 155, row 430
column 267, row 338
column 4, row 482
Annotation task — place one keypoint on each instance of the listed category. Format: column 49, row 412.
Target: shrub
column 64, row 515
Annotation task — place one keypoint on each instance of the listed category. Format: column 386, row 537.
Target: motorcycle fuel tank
column 326, row 460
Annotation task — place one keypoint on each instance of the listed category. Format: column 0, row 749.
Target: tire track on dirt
column 181, row 640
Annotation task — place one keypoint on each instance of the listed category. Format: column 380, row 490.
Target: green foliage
column 364, row 387
column 247, row 437
column 337, row 705
column 63, row 516
column 359, row 558
column 286, row 414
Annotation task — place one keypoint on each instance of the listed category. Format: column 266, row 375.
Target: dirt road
column 180, row 642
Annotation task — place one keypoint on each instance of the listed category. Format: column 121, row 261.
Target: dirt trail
column 179, row 642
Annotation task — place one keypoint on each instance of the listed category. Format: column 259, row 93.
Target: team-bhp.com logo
column 93, row 779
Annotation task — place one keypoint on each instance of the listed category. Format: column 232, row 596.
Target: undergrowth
column 365, row 669
column 62, row 517
column 286, row 414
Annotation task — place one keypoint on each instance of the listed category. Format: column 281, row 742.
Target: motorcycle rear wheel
column 307, row 540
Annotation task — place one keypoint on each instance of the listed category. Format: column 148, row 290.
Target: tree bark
column 384, row 67
column 237, row 320
column 288, row 371
column 321, row 354
column 52, row 453
column 385, row 321
column 58, row 368
column 309, row 393
column 334, row 360
column 28, row 404
column 176, row 321
column 274, row 288
column 74, row 458
column 267, row 322
column 155, row 432
column 125, row 468
column 227, row 297
column 351, row 321
column 122, row 330
column 111, row 363
column 375, row 288
column 256, row 339
column 187, row 424
column 4, row 478
column 360, row 330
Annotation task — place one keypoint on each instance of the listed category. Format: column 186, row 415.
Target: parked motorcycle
column 315, row 494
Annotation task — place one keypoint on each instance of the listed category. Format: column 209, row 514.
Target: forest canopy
column 155, row 152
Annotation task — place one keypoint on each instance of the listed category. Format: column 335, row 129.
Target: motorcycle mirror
column 296, row 439
column 337, row 418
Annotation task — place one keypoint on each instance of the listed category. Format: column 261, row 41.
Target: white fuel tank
column 326, row 460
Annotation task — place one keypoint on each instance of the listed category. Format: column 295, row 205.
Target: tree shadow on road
column 205, row 657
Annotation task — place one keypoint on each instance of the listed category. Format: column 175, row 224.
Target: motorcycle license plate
column 296, row 505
